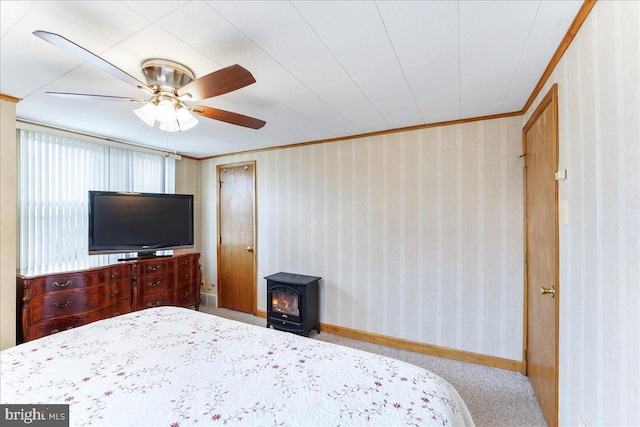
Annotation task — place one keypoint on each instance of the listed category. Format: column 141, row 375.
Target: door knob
column 551, row 290
column 248, row 249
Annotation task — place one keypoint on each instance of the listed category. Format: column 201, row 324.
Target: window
column 56, row 174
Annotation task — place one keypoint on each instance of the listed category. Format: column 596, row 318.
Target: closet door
column 236, row 237
column 541, row 245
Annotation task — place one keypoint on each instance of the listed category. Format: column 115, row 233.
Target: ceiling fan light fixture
column 146, row 113
column 165, row 111
column 185, row 119
column 170, row 126
column 170, row 84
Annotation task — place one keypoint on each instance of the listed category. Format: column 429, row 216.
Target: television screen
column 139, row 222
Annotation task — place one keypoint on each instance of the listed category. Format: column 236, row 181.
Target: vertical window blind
column 56, row 175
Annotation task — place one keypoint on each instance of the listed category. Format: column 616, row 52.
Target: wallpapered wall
column 188, row 181
column 8, row 213
column 417, row 235
column 599, row 116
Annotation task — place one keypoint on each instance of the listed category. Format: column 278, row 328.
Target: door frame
column 254, row 287
column 551, row 98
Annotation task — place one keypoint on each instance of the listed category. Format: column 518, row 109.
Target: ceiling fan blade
column 228, row 117
column 217, row 83
column 91, row 58
column 89, row 96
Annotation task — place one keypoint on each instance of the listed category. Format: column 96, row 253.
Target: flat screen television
column 122, row 222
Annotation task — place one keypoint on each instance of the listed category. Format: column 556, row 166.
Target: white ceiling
column 324, row 69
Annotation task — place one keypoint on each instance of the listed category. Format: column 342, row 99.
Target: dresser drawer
column 170, row 279
column 154, row 284
column 51, row 326
column 160, row 282
column 181, row 296
column 186, row 295
column 79, row 280
column 74, row 301
column 187, row 276
column 165, row 265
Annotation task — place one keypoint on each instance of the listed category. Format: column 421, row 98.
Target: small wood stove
column 292, row 303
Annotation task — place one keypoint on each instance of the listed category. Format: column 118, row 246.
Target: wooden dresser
column 167, row 281
column 55, row 301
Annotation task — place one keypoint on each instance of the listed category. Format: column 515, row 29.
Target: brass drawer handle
column 185, row 262
column 149, row 305
column 112, row 294
column 185, row 276
column 183, row 296
column 154, row 267
column 113, row 276
column 62, row 285
column 153, row 285
column 66, row 304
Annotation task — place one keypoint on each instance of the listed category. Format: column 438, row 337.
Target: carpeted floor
column 495, row 397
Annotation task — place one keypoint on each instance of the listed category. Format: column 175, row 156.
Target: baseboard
column 433, row 350
column 209, row 300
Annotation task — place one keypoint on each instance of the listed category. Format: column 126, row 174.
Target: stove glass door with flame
column 285, row 303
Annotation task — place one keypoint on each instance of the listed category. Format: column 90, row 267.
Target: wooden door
column 236, row 237
column 540, row 143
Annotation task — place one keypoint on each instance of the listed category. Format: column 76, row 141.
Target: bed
column 171, row 366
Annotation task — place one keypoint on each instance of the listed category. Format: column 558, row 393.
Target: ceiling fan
column 169, row 85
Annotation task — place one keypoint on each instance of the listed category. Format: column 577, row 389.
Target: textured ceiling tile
column 295, row 121
column 85, row 79
column 356, row 36
column 388, row 87
column 215, row 38
column 363, row 115
column 367, row 58
column 91, row 15
column 12, row 12
column 256, row 17
column 478, row 92
column 549, row 28
column 421, row 31
column 347, row 99
column 402, row 115
column 144, row 45
column 340, row 93
column 434, row 73
column 447, row 108
column 351, row 22
column 404, row 57
column 153, row 11
column 308, row 8
column 298, row 48
column 390, row 95
column 493, row 35
column 309, row 106
column 279, row 83
column 417, row 17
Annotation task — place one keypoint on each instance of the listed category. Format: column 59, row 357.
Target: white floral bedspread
column 172, row 366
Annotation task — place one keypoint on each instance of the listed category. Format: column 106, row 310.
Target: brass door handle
column 551, row 290
column 248, row 249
